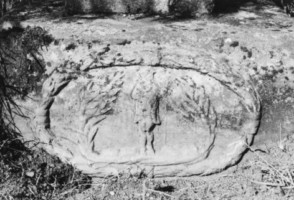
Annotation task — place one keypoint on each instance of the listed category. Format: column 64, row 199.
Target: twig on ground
column 207, row 191
column 159, row 192
column 288, row 193
column 37, row 181
column 32, row 191
column 73, row 176
column 67, row 192
column 3, row 143
column 281, row 143
column 144, row 189
column 271, row 184
column 290, row 175
column 269, row 165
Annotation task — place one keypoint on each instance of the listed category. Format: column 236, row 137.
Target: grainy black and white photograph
column 146, row 99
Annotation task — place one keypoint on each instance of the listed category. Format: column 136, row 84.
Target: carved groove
column 155, row 93
column 97, row 101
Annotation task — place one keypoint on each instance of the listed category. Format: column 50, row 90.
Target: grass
column 28, row 172
column 277, row 170
column 266, row 172
column 34, row 174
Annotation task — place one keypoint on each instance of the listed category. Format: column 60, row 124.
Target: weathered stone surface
column 252, row 42
column 136, row 107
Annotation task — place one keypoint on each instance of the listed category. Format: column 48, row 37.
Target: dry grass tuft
column 27, row 173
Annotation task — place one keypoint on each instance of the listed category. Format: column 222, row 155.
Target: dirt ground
column 258, row 38
column 265, row 172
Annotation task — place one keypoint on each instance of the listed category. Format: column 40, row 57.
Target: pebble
column 228, row 40
column 30, row 174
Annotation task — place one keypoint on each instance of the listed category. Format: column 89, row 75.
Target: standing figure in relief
column 147, row 98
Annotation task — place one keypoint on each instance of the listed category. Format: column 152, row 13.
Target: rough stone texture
column 138, row 6
column 252, row 44
column 137, row 107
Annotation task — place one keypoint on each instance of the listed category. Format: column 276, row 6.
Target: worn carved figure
column 150, row 119
column 147, row 98
column 142, row 116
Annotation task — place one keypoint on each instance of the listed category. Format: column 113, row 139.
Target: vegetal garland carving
column 96, row 102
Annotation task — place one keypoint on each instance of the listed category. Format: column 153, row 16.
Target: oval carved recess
column 131, row 116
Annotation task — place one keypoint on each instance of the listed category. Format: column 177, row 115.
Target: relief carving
column 194, row 104
column 41, row 122
column 97, row 101
column 168, row 119
column 147, row 100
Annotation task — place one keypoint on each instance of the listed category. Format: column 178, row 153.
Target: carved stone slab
column 140, row 108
